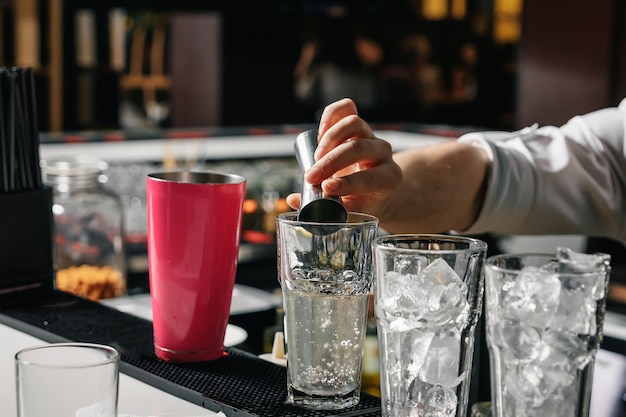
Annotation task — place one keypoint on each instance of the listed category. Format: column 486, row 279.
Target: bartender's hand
column 352, row 162
column 429, row 189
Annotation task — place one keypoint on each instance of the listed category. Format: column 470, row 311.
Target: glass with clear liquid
column 325, row 271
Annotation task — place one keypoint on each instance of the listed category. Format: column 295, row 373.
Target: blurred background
column 124, row 64
column 226, row 85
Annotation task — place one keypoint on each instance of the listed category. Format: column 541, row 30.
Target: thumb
column 293, row 200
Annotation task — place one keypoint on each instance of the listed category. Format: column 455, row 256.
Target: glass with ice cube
column 325, row 271
column 428, row 298
column 544, row 315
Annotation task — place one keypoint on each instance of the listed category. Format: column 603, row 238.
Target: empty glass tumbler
column 67, row 379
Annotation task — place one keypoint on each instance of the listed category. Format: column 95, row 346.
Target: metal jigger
column 314, row 206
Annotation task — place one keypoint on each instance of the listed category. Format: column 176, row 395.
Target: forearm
column 442, row 189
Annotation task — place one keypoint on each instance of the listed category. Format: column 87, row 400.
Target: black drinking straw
column 27, row 124
column 27, row 130
column 3, row 148
column 11, row 127
column 24, row 121
column 24, row 180
column 19, row 133
column 35, row 128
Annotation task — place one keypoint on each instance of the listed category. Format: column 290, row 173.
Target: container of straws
column 26, row 221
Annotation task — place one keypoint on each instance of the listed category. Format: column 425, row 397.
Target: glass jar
column 89, row 235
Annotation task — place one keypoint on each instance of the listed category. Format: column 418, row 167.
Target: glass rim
column 490, row 263
column 366, row 219
column 476, row 245
column 114, row 355
column 196, row 177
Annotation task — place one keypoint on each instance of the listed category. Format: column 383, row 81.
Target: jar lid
column 73, row 168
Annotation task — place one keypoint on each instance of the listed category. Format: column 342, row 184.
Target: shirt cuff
column 511, row 182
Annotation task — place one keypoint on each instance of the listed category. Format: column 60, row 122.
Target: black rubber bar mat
column 239, row 384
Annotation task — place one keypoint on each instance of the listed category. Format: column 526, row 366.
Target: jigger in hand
column 314, row 206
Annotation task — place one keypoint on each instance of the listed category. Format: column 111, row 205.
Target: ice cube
column 441, row 365
column 418, row 343
column 402, row 293
column 530, row 384
column 520, row 342
column 400, row 304
column 574, row 347
column 576, row 313
column 534, row 297
column 441, row 402
column 409, row 264
column 446, row 296
column 570, row 261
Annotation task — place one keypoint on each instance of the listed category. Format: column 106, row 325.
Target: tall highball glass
column 428, row 298
column 325, row 272
column 544, row 316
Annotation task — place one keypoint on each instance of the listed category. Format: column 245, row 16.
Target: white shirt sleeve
column 557, row 180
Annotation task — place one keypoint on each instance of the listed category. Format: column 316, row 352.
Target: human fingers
column 334, row 112
column 293, row 200
column 350, row 127
column 380, row 180
column 352, row 155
